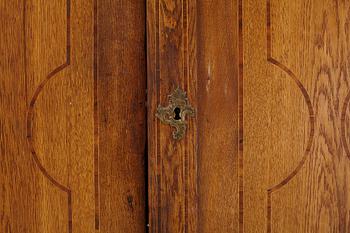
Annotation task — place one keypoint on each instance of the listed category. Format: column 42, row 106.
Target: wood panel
column 295, row 116
column 71, row 85
column 171, row 58
column 121, row 91
column 194, row 183
column 218, row 114
column 272, row 94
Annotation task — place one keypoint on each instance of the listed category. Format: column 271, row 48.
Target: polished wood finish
column 121, row 88
column 296, row 165
column 73, row 127
column 269, row 80
column 195, row 182
column 218, row 116
column 171, row 54
column 267, row 151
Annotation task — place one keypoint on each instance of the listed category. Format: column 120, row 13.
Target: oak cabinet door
column 268, row 147
column 234, row 114
column 72, row 116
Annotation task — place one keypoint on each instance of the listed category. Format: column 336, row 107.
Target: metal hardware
column 175, row 113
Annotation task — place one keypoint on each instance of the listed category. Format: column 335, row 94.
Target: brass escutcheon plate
column 175, row 113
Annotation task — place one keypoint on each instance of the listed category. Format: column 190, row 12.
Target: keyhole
column 177, row 111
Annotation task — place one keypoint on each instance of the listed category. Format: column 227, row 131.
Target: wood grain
column 194, row 183
column 268, row 149
column 121, row 95
column 59, row 79
column 218, row 114
column 172, row 164
column 322, row 182
column 295, row 107
column 288, row 113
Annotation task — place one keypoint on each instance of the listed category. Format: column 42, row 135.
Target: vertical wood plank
column 19, row 181
column 218, row 116
column 256, row 116
column 121, row 104
column 172, row 164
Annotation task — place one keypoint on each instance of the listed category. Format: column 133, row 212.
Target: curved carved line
column 30, row 130
column 312, row 123
column 31, row 111
column 343, row 115
column 306, row 98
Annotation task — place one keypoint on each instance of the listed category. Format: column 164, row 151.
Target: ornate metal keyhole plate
column 175, row 113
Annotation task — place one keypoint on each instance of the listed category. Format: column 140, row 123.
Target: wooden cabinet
column 174, row 116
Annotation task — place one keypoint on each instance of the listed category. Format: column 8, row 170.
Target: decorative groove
column 342, row 126
column 31, row 111
column 307, row 99
column 24, row 22
column 240, row 119
column 30, row 123
column 312, row 123
column 186, row 86
column 157, row 78
column 268, row 212
column 96, row 128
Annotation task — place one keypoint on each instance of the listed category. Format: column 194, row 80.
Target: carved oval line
column 342, row 126
column 31, row 111
column 304, row 92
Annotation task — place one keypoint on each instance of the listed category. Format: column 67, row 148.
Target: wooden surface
column 72, row 122
column 194, row 183
column 268, row 150
column 296, row 85
column 122, row 115
column 218, row 116
column 171, row 54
